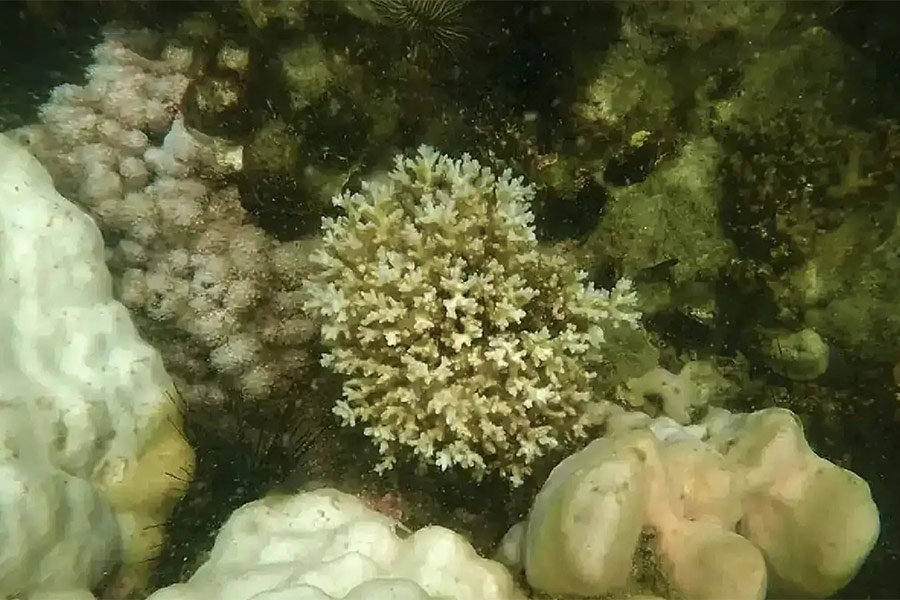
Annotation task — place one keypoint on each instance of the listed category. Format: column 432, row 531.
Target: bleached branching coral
column 460, row 338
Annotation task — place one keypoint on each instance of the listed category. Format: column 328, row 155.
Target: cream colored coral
column 735, row 506
column 461, row 339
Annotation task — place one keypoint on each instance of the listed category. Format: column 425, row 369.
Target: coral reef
column 738, row 162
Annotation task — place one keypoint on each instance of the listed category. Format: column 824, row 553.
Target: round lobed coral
column 460, row 338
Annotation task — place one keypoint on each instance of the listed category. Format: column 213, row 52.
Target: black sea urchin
column 240, row 455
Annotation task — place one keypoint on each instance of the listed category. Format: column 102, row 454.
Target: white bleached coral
column 89, row 436
column 461, row 339
column 327, row 545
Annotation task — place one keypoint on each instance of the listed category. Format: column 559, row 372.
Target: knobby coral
column 459, row 336
column 215, row 294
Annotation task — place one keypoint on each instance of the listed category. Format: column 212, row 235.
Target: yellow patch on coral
column 145, row 494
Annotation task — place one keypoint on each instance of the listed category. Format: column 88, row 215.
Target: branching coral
column 461, row 339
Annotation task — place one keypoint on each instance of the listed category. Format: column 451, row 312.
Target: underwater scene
column 449, row 300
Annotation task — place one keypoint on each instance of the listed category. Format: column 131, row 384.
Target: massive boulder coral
column 736, row 506
column 461, row 339
column 325, row 544
column 89, row 435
